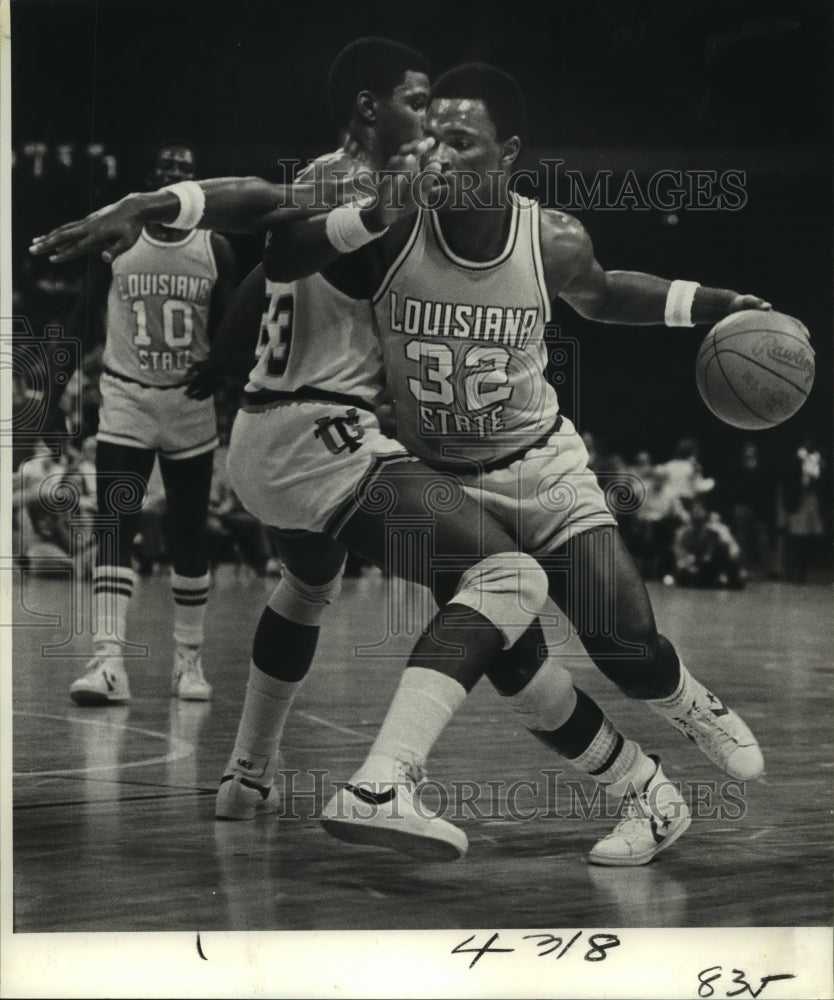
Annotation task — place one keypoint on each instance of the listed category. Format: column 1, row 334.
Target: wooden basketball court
column 113, row 808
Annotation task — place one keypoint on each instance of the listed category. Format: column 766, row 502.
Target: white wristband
column 679, row 301
column 346, row 230
column 192, row 201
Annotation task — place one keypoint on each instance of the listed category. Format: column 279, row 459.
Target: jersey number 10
column 177, row 323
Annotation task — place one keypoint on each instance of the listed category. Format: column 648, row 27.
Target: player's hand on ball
column 741, row 302
column 112, row 229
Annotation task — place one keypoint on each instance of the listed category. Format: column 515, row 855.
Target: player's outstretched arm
column 628, row 297
column 231, row 204
column 299, row 247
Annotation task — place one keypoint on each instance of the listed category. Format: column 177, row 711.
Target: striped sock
column 190, row 596
column 112, row 591
column 615, row 761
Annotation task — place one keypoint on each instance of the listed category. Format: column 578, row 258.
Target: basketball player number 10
column 484, row 382
column 171, row 308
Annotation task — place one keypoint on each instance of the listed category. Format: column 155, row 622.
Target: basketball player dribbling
column 547, row 701
column 462, row 298
column 426, row 699
column 164, row 298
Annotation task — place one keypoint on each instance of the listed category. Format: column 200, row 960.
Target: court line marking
column 69, row 803
column 334, row 725
column 179, row 748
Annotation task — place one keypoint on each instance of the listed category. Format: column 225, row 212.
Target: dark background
column 611, row 84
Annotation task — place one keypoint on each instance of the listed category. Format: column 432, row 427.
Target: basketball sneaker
column 384, row 814
column 187, row 680
column 653, row 819
column 240, row 797
column 103, row 683
column 719, row 733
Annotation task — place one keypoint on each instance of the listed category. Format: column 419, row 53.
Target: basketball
column 755, row 369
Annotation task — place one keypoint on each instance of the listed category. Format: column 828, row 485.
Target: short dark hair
column 498, row 90
column 173, row 142
column 375, row 64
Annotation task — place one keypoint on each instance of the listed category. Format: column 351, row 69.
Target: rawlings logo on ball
column 796, row 358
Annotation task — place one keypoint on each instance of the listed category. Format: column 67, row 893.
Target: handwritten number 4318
column 708, row 976
column 546, row 943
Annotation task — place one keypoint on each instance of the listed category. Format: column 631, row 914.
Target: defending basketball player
column 164, row 298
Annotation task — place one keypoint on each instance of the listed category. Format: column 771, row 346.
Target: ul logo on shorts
column 347, row 428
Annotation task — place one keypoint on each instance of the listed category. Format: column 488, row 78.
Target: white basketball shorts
column 546, row 496
column 296, row 465
column 161, row 420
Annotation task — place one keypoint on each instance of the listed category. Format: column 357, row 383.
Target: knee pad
column 547, row 701
column 303, row 603
column 509, row 589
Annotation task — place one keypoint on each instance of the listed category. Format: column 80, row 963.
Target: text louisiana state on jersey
column 463, row 343
column 158, row 308
column 314, row 336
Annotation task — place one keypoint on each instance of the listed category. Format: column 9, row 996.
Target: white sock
column 265, row 710
column 423, row 704
column 190, row 596
column 112, row 591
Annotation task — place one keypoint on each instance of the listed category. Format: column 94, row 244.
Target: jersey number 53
column 276, row 333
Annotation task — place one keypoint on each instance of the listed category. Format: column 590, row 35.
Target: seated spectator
column 44, row 520
column 234, row 534
column 80, row 476
column 748, row 492
column 82, row 472
column 27, row 407
column 79, row 403
column 802, row 498
column 706, row 553
column 651, row 530
column 685, row 476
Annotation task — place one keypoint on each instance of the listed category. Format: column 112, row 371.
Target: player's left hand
column 741, row 302
column 204, row 379
column 112, row 229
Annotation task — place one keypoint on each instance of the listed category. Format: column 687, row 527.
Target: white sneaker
column 654, row 818
column 721, row 735
column 239, row 797
column 187, row 680
column 385, row 815
column 104, row 683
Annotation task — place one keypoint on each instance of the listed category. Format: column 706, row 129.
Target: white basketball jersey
column 158, row 308
column 463, row 343
column 313, row 335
